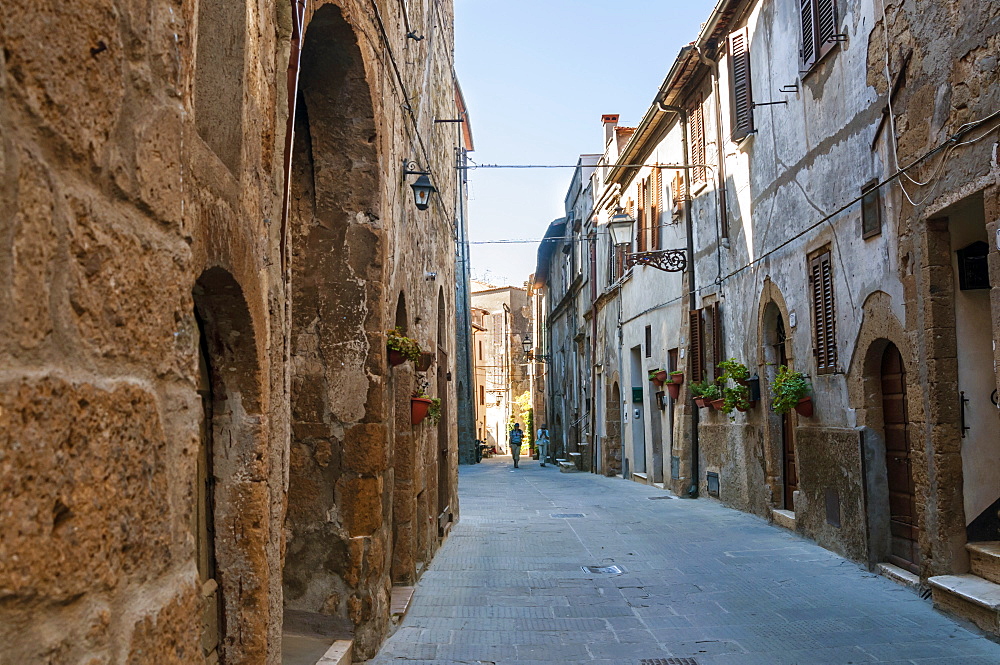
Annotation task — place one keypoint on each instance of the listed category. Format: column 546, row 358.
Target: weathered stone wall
column 141, row 220
column 943, row 84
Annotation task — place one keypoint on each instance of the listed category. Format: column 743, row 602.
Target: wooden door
column 789, row 472
column 444, row 467
column 203, row 525
column 905, row 534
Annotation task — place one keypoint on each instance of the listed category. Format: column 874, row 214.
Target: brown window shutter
column 824, row 314
column 741, row 89
column 808, row 15
column 640, row 219
column 826, row 25
column 698, row 141
column 654, row 209
column 695, row 345
column 716, row 323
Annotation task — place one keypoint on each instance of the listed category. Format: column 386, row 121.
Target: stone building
column 838, row 200
column 500, row 315
column 205, row 230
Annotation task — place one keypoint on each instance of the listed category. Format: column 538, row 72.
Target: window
column 824, row 313
column 655, row 206
column 697, row 130
column 649, row 341
column 641, row 230
column 741, row 89
column 871, row 210
column 677, row 194
column 616, row 262
column 705, row 331
column 480, row 349
column 482, row 394
column 819, row 30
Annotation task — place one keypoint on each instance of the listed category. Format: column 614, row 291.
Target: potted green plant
column 434, row 411
column 713, row 395
column 739, row 396
column 420, row 405
column 698, row 389
column 657, row 376
column 790, row 390
column 401, row 348
column 734, row 370
column 674, row 382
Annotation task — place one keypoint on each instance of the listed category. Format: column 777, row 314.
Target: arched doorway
column 613, row 427
column 779, row 429
column 443, row 440
column 903, row 528
column 233, row 570
column 338, row 453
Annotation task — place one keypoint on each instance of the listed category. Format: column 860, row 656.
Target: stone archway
column 336, row 525
column 775, row 349
column 231, row 496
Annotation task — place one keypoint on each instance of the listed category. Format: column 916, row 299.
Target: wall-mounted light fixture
column 668, row 260
column 422, row 187
column 532, row 357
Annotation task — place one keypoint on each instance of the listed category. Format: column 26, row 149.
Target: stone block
column 366, row 449
column 35, row 243
column 360, row 502
column 83, row 473
column 171, row 635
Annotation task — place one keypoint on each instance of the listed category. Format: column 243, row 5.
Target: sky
column 537, row 77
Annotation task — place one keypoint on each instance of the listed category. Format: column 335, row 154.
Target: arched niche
column 335, row 524
column 230, row 520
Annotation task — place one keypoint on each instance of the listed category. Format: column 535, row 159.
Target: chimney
column 610, row 121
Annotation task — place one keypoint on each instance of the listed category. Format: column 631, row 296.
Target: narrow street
column 699, row 583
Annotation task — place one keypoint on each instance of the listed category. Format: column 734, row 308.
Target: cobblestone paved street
column 699, row 581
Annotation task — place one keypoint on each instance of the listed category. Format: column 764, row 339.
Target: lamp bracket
column 667, row 260
column 410, row 167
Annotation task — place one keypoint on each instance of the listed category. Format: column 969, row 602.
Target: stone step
column 985, row 560
column 565, row 466
column 970, row 597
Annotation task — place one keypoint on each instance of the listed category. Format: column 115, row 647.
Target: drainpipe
column 692, row 289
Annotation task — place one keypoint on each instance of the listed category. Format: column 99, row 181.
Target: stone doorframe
column 612, row 447
column 879, row 328
column 771, row 302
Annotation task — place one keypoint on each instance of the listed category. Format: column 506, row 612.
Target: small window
column 871, row 210
column 824, row 313
column 649, row 341
column 819, row 30
column 482, row 394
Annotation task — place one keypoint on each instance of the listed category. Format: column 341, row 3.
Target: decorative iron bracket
column 667, row 260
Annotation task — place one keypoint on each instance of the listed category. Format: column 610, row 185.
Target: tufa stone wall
column 195, row 401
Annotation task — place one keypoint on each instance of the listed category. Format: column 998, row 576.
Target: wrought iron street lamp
column 668, row 260
column 422, row 187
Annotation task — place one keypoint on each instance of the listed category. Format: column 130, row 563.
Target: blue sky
column 537, row 76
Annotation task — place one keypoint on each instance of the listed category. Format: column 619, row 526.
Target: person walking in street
column 542, row 443
column 516, row 436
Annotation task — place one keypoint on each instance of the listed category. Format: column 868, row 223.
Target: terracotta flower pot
column 677, row 378
column 426, row 360
column 418, row 409
column 675, row 390
column 701, row 402
column 805, row 407
column 753, row 403
column 717, row 404
column 396, row 357
column 661, row 376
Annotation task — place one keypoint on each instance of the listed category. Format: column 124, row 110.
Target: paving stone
column 700, row 581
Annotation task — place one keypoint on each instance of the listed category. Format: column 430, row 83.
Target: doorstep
column 785, row 518
column 309, row 638
column 899, row 575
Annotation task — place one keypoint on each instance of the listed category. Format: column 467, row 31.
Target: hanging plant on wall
column 420, row 407
column 737, row 396
column 434, row 411
column 674, row 383
column 790, row 390
column 401, row 348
